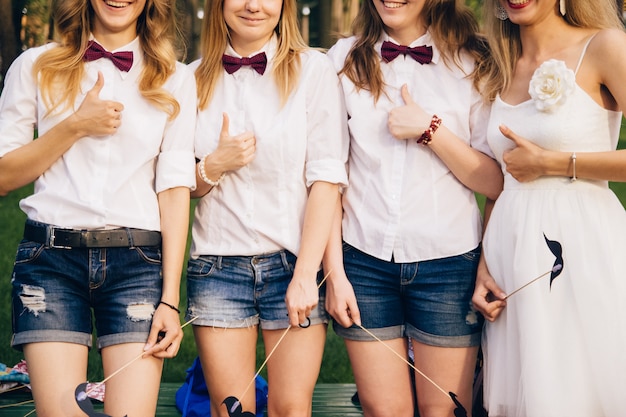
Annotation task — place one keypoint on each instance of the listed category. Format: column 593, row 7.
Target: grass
column 335, row 366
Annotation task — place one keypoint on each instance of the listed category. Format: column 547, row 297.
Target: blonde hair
column 451, row 24
column 61, row 69
column 214, row 40
column 504, row 36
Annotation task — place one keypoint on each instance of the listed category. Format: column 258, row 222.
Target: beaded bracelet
column 573, row 158
column 173, row 307
column 427, row 136
column 202, row 173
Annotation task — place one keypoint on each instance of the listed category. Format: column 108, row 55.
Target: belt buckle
column 52, row 238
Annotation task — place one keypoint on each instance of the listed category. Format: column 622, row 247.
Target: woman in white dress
column 554, row 347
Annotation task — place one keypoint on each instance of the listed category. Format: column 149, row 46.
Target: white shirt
column 402, row 200
column 260, row 208
column 104, row 182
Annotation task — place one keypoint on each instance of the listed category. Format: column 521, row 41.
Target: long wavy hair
column 61, row 69
column 452, row 25
column 504, row 36
column 214, row 39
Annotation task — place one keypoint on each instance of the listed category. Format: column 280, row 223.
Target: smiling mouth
column 116, row 4
column 251, row 20
column 518, row 2
column 392, row 4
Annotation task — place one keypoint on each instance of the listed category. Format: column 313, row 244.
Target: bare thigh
column 123, row 398
column 452, row 369
column 228, row 358
column 293, row 369
column 382, row 377
column 53, row 382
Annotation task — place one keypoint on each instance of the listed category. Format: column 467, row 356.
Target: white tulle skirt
column 559, row 347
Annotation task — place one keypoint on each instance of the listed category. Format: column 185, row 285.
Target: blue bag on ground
column 192, row 398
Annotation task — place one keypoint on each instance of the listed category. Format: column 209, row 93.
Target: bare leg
column 293, row 369
column 135, row 390
column 383, row 380
column 228, row 358
column 55, row 370
column 452, row 369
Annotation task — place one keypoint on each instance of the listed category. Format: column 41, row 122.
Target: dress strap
column 582, row 54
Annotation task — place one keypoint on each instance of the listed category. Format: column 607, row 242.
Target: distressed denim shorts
column 54, row 292
column 244, row 291
column 430, row 301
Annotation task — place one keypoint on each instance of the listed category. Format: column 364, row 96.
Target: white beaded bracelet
column 202, row 173
column 573, row 158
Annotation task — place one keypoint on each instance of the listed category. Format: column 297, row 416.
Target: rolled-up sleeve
column 328, row 140
column 176, row 162
column 18, row 104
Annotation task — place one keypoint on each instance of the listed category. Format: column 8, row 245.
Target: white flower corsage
column 551, row 84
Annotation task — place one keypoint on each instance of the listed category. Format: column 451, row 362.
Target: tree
column 190, row 25
column 9, row 37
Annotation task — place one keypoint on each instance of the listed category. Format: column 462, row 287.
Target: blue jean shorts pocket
column 150, row 254
column 28, row 251
column 201, row 267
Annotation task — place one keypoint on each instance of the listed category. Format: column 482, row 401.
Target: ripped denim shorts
column 244, row 291
column 55, row 291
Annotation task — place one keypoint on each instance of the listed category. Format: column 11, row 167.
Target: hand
column 165, row 335
column 408, row 121
column 341, row 302
column 96, row 117
column 523, row 162
column 301, row 298
column 233, row 152
column 488, row 298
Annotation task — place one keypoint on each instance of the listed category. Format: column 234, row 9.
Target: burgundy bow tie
column 122, row 60
column 422, row 54
column 258, row 62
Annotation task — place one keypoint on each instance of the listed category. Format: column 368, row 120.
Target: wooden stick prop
column 553, row 270
column 81, row 393
column 459, row 411
column 15, row 404
column 557, row 250
column 233, row 404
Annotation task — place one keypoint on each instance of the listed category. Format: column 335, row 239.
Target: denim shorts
column 430, row 301
column 244, row 291
column 54, row 292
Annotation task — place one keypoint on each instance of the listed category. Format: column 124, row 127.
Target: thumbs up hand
column 524, row 160
column 233, row 152
column 97, row 117
column 408, row 121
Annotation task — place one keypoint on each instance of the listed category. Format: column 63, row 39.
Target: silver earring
column 501, row 13
column 562, row 7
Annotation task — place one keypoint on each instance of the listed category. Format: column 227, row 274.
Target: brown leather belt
column 55, row 237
